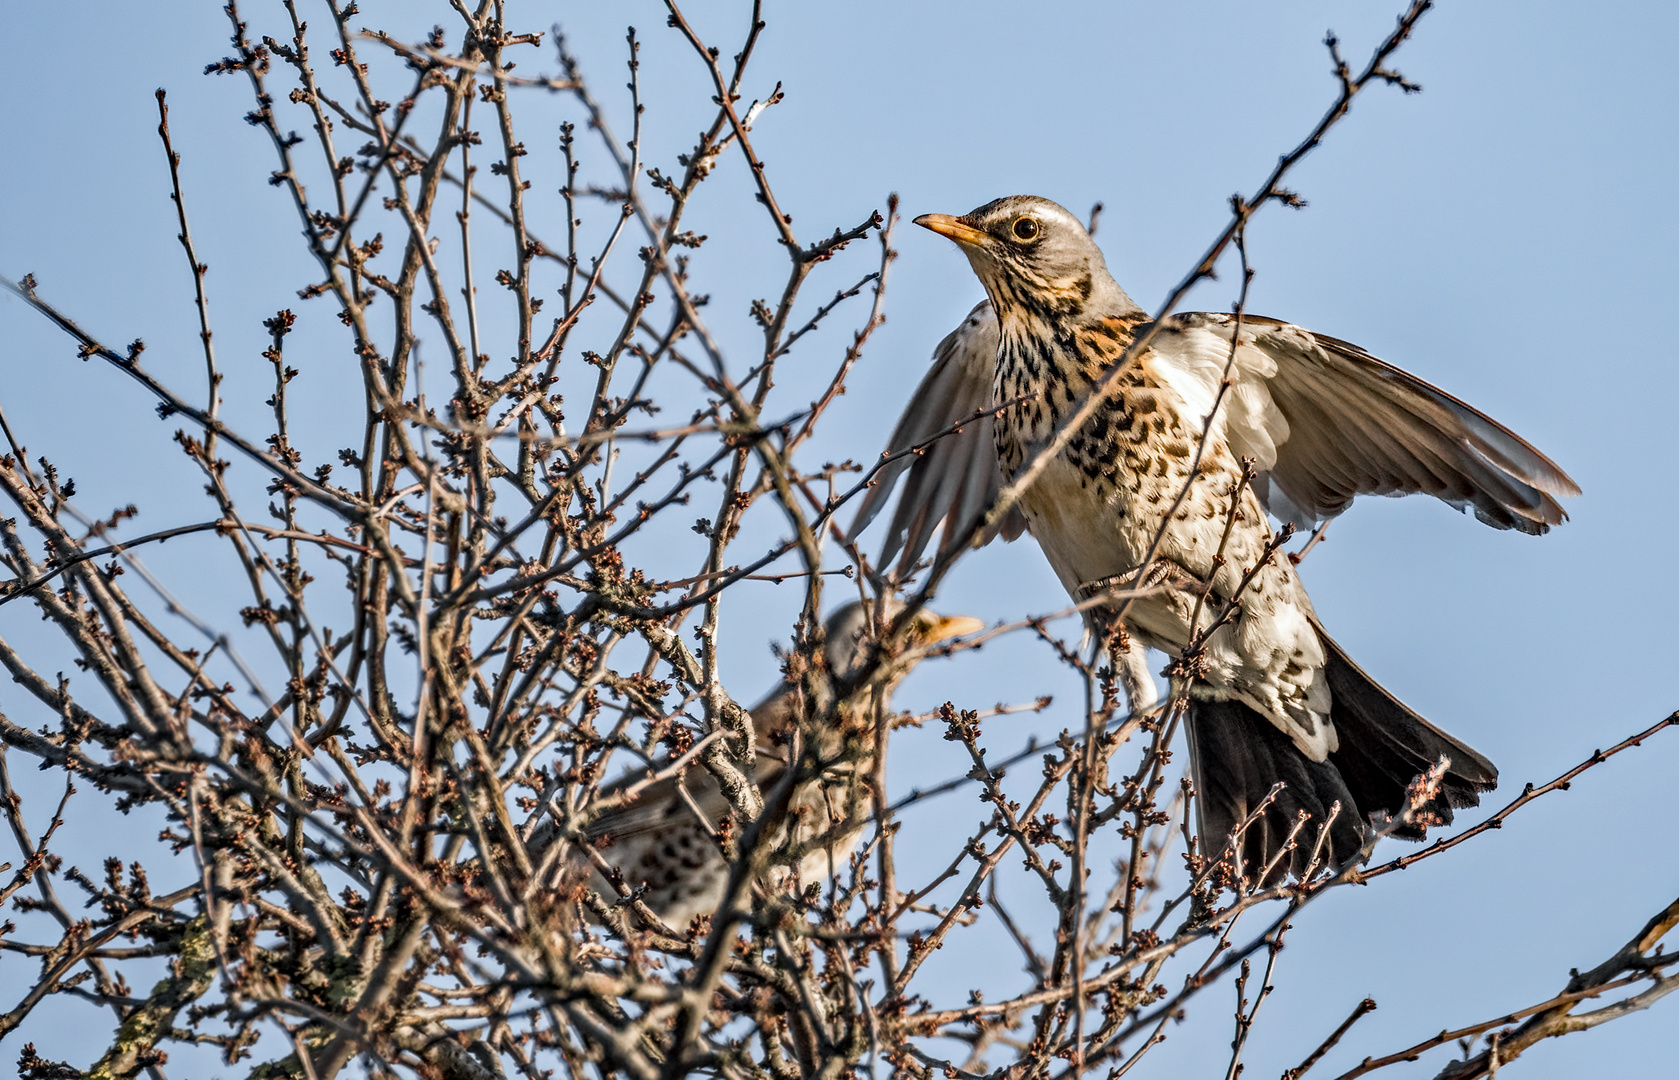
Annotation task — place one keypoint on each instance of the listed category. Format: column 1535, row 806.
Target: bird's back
column 661, row 845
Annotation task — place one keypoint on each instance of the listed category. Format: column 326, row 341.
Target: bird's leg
column 1130, row 664
column 1135, row 678
column 1128, row 656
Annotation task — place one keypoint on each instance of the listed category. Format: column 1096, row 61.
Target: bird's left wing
column 660, row 803
column 1325, row 421
column 655, row 807
column 956, row 477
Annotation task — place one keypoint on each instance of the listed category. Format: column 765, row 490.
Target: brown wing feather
column 956, row 477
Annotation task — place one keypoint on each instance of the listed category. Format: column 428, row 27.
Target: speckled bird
column 1322, row 421
column 665, row 844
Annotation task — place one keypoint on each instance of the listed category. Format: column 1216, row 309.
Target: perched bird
column 666, row 842
column 1274, row 698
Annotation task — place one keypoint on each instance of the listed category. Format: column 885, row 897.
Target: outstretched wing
column 1325, row 421
column 955, row 477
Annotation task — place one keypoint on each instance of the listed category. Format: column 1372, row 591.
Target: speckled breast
column 1097, row 508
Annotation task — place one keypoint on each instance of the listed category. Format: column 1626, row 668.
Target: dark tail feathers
column 1237, row 756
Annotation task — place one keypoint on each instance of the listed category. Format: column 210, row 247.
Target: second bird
column 1321, row 420
column 665, row 843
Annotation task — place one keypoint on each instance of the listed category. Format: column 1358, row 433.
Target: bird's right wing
column 956, row 477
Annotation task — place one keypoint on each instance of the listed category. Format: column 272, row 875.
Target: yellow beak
column 952, row 626
column 954, row 228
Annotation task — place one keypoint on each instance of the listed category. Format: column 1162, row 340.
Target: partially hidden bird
column 662, row 838
column 1317, row 421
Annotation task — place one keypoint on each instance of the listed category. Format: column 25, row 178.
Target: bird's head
column 1033, row 256
column 841, row 691
column 850, row 640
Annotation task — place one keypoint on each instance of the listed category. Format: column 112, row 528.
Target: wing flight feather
column 955, row 477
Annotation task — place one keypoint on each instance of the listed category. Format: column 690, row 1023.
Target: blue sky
column 1507, row 234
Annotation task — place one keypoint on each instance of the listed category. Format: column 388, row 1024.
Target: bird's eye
column 1025, row 229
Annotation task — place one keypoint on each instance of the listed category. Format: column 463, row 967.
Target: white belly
column 1269, row 656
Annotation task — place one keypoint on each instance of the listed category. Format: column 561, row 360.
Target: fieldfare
column 665, row 842
column 1273, row 698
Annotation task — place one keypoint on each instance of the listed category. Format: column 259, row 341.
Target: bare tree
column 489, row 627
